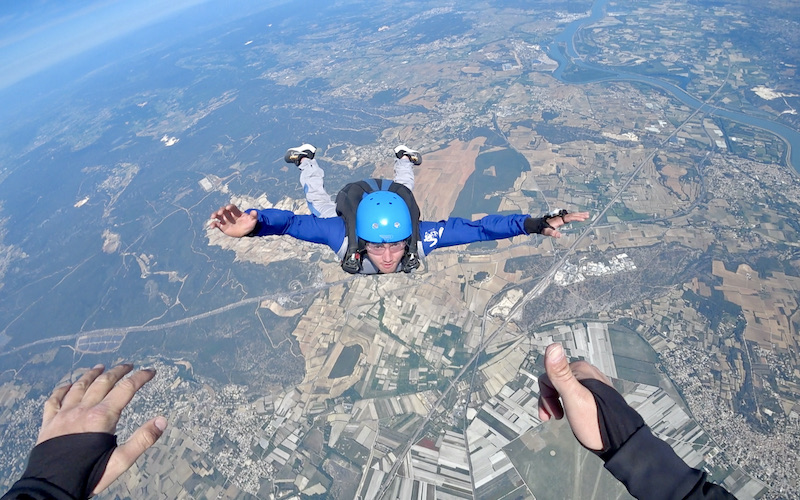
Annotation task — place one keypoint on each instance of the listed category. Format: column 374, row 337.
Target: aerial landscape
column 674, row 124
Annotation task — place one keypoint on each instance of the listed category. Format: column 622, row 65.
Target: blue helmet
column 383, row 217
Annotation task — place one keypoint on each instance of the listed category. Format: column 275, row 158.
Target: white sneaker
column 413, row 155
column 296, row 155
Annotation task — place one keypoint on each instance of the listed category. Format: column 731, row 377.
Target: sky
column 36, row 34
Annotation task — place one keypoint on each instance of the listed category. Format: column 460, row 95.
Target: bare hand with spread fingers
column 233, row 222
column 76, row 452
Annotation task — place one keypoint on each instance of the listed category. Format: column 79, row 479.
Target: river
column 562, row 50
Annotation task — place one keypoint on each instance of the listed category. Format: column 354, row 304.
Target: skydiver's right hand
column 233, row 222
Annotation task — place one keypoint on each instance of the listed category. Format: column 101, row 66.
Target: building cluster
column 570, row 274
column 709, row 367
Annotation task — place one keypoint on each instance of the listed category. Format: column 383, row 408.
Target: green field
column 635, row 359
column 561, row 468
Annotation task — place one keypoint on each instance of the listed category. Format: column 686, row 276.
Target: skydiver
column 607, row 426
column 383, row 222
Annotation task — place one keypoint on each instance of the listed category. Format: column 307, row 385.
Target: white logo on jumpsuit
column 432, row 236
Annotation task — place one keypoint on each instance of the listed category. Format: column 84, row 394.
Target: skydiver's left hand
column 556, row 222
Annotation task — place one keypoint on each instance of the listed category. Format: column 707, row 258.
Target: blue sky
column 36, row 34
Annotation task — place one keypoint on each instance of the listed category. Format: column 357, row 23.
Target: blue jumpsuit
column 332, row 232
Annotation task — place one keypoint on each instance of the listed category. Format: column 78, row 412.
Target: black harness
column 346, row 206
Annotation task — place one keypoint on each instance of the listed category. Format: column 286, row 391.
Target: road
column 124, row 330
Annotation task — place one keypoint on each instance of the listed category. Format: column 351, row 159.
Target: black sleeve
column 67, row 467
column 647, row 466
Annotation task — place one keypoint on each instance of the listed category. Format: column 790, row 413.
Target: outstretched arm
column 76, row 455
column 458, row 231
column 274, row 222
column 606, row 425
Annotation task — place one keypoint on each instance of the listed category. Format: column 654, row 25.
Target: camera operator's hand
column 93, row 404
column 561, row 380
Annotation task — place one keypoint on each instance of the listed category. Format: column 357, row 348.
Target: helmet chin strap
column 353, row 263
column 410, row 260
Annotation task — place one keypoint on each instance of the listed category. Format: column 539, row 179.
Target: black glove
column 618, row 421
column 535, row 225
